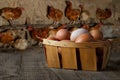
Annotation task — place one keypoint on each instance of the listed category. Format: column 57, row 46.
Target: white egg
column 76, row 33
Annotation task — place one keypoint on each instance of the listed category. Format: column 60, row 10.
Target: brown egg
column 86, row 37
column 97, row 34
column 63, row 34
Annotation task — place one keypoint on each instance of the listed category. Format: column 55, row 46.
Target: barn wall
column 37, row 9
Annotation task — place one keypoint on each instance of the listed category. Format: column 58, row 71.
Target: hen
column 7, row 37
column 70, row 13
column 39, row 33
column 54, row 14
column 85, row 15
column 103, row 14
column 11, row 14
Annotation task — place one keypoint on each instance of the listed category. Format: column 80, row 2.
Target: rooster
column 11, row 14
column 103, row 14
column 54, row 14
column 72, row 14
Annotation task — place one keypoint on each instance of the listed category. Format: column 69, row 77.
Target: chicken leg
column 10, row 22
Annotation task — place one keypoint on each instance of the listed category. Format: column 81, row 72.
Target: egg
column 76, row 33
column 86, row 37
column 97, row 34
column 63, row 34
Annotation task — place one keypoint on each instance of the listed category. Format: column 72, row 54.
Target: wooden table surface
column 30, row 64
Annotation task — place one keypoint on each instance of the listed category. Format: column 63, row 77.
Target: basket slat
column 105, row 56
column 76, row 45
column 88, row 59
column 52, row 56
column 85, row 56
column 69, row 58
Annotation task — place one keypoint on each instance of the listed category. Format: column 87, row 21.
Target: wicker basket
column 85, row 56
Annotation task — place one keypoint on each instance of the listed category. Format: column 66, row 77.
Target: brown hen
column 70, row 13
column 39, row 33
column 7, row 37
column 103, row 14
column 11, row 14
column 54, row 14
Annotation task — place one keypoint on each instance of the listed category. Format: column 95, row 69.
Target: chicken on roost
column 71, row 14
column 10, row 13
column 54, row 14
column 85, row 15
column 103, row 14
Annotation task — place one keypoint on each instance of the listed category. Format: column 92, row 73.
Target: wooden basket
column 85, row 56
